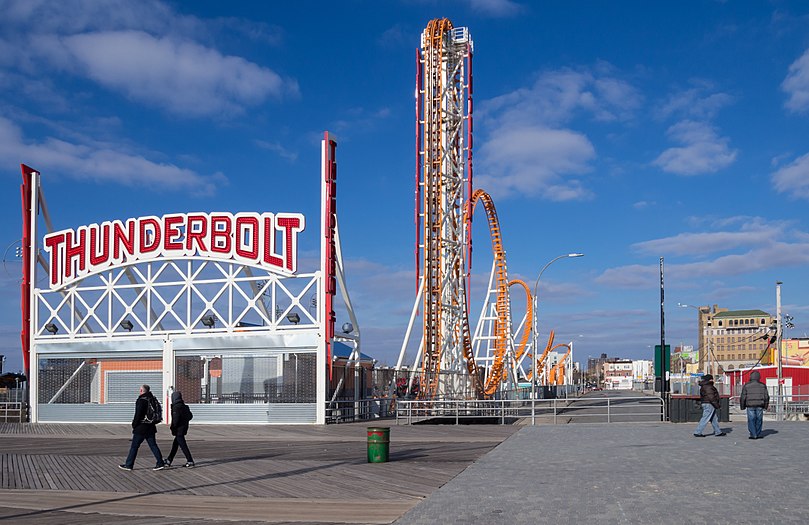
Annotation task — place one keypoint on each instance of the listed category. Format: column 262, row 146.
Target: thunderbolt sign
column 248, row 238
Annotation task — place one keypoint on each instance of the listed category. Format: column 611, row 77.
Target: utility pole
column 779, row 407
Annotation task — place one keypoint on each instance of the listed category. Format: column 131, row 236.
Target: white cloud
column 631, row 276
column 535, row 161
column 558, row 96
column 530, row 150
column 178, row 75
column 501, row 8
column 702, row 243
column 796, row 84
column 144, row 50
column 767, row 257
column 101, row 164
column 703, row 151
column 740, row 244
column 278, row 148
column 699, row 102
column 793, row 178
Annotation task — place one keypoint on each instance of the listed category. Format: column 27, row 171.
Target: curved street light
column 534, row 322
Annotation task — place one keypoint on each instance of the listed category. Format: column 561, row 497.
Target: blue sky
column 628, row 131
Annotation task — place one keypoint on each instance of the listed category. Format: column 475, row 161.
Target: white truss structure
column 173, row 297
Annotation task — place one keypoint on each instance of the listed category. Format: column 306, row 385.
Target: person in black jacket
column 756, row 400
column 142, row 429
column 180, row 417
column 709, row 397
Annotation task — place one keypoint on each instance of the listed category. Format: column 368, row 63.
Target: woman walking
column 180, row 417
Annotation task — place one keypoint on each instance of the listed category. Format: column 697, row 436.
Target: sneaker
column 752, row 437
column 124, row 467
column 159, row 467
column 190, row 464
column 699, row 435
column 167, row 463
column 720, row 434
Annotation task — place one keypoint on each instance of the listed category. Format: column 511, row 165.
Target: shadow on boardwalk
column 68, row 473
column 617, row 473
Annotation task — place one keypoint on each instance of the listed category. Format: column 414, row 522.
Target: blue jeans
column 137, row 439
column 709, row 413
column 755, row 417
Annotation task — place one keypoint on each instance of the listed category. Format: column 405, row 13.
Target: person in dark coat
column 143, row 430
column 755, row 399
column 709, row 397
column 180, row 417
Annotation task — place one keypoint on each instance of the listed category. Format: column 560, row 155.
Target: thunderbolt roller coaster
column 450, row 362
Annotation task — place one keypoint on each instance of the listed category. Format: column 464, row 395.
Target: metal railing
column 361, row 410
column 782, row 406
column 13, row 412
column 544, row 411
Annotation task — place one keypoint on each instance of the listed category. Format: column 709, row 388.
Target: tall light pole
column 534, row 323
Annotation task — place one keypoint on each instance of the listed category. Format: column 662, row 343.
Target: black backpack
column 154, row 412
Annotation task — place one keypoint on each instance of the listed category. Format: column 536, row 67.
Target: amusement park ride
column 213, row 304
column 450, row 361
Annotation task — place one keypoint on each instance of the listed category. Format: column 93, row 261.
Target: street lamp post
column 534, row 323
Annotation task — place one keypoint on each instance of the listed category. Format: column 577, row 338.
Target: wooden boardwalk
column 55, row 473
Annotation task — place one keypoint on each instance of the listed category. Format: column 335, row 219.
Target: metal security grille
column 97, row 379
column 66, row 380
column 123, row 386
column 216, row 379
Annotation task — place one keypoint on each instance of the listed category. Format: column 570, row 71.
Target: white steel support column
column 168, row 378
column 33, row 359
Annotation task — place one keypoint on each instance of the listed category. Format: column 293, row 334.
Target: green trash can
column 378, row 444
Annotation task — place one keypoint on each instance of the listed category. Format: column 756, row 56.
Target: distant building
column 731, row 339
column 595, row 369
column 618, row 374
column 643, row 370
column 739, row 338
column 685, row 360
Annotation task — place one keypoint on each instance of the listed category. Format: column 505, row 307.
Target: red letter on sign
column 196, row 229
column 269, row 243
column 247, row 225
column 171, row 232
column 52, row 243
column 291, row 225
column 123, row 238
column 73, row 251
column 99, row 257
column 149, row 245
column 220, row 233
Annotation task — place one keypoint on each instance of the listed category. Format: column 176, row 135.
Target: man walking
column 144, row 428
column 710, row 407
column 756, row 400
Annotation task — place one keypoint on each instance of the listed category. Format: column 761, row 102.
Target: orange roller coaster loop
column 529, row 314
column 557, row 373
column 501, row 326
column 541, row 359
